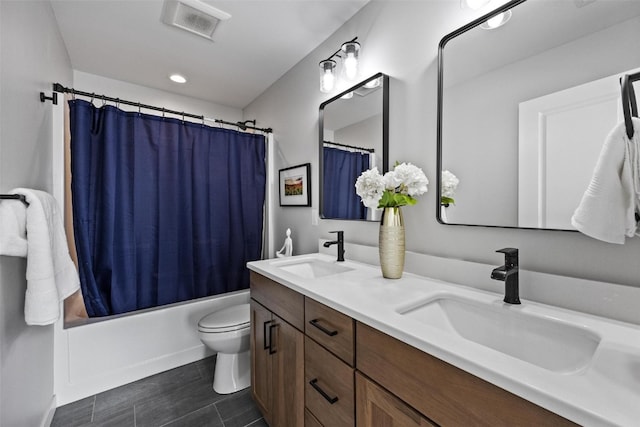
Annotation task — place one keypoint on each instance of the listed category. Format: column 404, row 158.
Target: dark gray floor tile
column 206, row 367
column 74, row 414
column 147, row 388
column 238, row 409
column 258, row 423
column 204, row 417
column 114, row 417
column 175, row 403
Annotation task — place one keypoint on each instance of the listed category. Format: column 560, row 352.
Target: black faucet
column 508, row 273
column 339, row 242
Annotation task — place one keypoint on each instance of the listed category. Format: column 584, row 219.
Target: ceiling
column 127, row 40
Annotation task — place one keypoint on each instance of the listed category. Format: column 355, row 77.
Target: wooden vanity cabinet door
column 288, row 375
column 261, row 379
column 377, row 407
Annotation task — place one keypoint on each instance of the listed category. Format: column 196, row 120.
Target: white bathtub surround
column 592, row 385
column 105, row 354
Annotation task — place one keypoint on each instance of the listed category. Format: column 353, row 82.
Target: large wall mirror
column 354, row 137
column 524, row 109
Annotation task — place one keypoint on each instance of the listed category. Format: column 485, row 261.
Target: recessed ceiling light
column 177, row 78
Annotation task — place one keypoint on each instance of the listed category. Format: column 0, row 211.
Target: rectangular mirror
column 354, row 137
column 524, row 109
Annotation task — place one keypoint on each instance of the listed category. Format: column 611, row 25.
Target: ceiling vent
column 193, row 16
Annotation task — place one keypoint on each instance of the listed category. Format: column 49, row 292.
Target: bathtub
column 111, row 352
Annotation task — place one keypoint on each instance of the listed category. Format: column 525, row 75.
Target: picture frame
column 295, row 185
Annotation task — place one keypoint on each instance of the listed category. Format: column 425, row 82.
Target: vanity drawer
column 331, row 329
column 329, row 386
column 284, row 302
column 446, row 394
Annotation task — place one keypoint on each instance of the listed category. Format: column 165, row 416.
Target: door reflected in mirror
column 524, row 109
column 354, row 137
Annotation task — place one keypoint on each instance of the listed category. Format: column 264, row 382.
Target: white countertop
column 606, row 392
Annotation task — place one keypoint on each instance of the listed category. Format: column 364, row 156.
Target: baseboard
column 48, row 418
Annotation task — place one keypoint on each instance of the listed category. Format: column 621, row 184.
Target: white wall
column 131, row 92
column 32, row 56
column 400, row 38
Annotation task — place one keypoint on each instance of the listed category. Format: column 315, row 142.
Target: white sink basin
column 312, row 268
column 543, row 341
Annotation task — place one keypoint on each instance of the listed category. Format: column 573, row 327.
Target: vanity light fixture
column 497, row 21
column 177, row 78
column 349, row 53
column 327, row 75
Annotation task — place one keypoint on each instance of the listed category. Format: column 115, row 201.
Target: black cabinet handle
column 264, row 334
column 314, row 384
column 315, row 323
column 271, row 349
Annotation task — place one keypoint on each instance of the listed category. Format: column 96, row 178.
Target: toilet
column 227, row 332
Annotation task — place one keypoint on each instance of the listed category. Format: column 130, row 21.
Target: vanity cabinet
column 277, row 352
column 315, row 366
column 447, row 395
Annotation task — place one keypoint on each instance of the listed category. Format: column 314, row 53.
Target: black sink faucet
column 339, row 242
column 508, row 273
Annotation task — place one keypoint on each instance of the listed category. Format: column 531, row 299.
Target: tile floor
column 181, row 397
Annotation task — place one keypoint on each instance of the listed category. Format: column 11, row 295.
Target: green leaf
column 447, row 201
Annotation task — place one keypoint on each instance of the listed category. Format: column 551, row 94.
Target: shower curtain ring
column 104, row 100
column 163, row 112
column 139, row 108
column 183, row 117
column 93, row 95
column 202, row 117
column 117, row 102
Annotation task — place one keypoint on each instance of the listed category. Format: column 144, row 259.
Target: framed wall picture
column 295, row 185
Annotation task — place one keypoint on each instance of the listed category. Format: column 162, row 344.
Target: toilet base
column 232, row 372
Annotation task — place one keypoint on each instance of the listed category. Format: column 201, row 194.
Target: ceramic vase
column 391, row 243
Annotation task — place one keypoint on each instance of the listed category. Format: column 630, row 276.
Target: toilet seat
column 226, row 320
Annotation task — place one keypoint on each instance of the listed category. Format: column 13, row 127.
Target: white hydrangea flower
column 410, row 179
column 369, row 186
column 449, row 184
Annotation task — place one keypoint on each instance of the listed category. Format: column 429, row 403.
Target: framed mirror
column 524, row 108
column 354, row 137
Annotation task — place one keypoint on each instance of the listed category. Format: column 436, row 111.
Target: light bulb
column 350, row 66
column 347, row 95
column 328, row 80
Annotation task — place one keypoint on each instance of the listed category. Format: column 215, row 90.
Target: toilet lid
column 227, row 319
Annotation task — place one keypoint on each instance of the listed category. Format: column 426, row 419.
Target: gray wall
column 32, row 56
column 400, row 38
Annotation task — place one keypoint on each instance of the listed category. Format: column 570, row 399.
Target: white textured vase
column 391, row 243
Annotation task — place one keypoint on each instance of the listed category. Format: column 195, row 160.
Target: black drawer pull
column 314, row 384
column 315, row 323
column 264, row 334
column 271, row 349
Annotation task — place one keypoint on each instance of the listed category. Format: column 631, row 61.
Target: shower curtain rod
column 57, row 87
column 368, row 150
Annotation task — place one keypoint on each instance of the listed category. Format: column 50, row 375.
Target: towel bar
column 14, row 197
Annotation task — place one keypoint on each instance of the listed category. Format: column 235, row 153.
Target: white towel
column 51, row 274
column 13, row 232
column 607, row 209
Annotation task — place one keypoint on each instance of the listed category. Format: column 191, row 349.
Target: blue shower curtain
column 164, row 210
column 341, row 169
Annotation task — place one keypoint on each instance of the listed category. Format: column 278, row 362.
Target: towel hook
column 629, row 106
